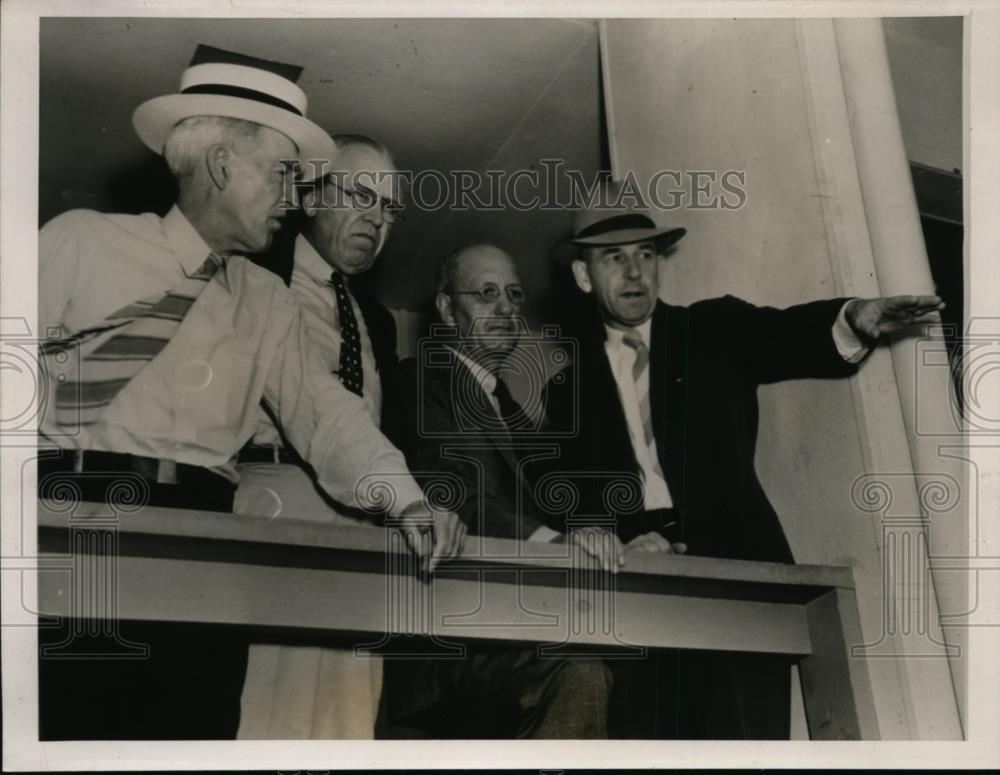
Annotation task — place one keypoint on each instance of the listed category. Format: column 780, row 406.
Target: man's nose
column 632, row 270
column 374, row 215
column 505, row 307
column 289, row 192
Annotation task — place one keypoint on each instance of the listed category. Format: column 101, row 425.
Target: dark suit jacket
column 706, row 362
column 438, row 417
column 441, row 419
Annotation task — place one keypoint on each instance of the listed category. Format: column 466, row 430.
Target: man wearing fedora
column 304, row 691
column 162, row 340
column 669, row 393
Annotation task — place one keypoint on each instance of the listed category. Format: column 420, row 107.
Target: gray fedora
column 615, row 219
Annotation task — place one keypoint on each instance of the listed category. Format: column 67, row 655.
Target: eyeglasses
column 490, row 293
column 365, row 199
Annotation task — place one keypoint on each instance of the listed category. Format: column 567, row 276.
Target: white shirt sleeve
column 850, row 347
column 544, row 534
column 58, row 266
column 333, row 430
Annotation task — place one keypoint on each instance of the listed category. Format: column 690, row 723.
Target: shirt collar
column 485, row 377
column 615, row 335
column 185, row 241
column 307, row 259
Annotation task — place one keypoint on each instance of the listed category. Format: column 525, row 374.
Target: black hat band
column 224, row 90
column 615, row 223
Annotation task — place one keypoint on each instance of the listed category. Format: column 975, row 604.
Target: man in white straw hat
column 669, row 394
column 162, row 341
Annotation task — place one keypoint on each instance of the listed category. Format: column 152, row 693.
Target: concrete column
column 922, row 378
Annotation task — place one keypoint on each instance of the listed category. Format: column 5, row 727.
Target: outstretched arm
column 802, row 341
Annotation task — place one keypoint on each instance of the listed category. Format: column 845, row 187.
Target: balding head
column 476, row 284
column 474, row 254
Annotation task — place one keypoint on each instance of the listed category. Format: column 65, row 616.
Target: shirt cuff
column 544, row 534
column 405, row 491
column 850, row 347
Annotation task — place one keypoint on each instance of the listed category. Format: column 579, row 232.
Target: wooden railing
column 305, row 578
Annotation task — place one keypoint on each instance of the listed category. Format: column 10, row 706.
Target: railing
column 306, row 578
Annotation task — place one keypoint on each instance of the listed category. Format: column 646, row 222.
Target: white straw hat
column 225, row 83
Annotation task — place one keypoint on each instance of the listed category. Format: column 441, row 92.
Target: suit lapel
column 612, row 442
column 668, row 383
column 481, row 408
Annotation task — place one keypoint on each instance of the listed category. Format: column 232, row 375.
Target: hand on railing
column 654, row 542
column 432, row 534
column 600, row 543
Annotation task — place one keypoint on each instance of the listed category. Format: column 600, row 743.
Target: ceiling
column 444, row 95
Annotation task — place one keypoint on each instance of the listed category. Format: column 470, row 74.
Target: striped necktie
column 633, row 339
column 349, row 367
column 143, row 329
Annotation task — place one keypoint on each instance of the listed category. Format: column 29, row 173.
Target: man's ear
column 581, row 275
column 443, row 305
column 219, row 165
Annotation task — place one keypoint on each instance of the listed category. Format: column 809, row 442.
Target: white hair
column 188, row 141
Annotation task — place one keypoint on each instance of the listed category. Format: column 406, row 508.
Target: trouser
column 700, row 695
column 696, row 695
column 299, row 691
column 97, row 683
column 498, row 694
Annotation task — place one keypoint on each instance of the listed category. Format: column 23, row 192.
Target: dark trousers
column 139, row 680
column 700, row 695
column 496, row 693
column 696, row 695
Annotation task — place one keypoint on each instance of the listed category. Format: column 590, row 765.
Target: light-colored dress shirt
column 622, row 357
column 243, row 339
column 488, row 381
column 310, row 285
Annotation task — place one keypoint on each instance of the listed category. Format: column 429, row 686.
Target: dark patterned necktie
column 350, row 338
column 511, row 412
column 143, row 330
